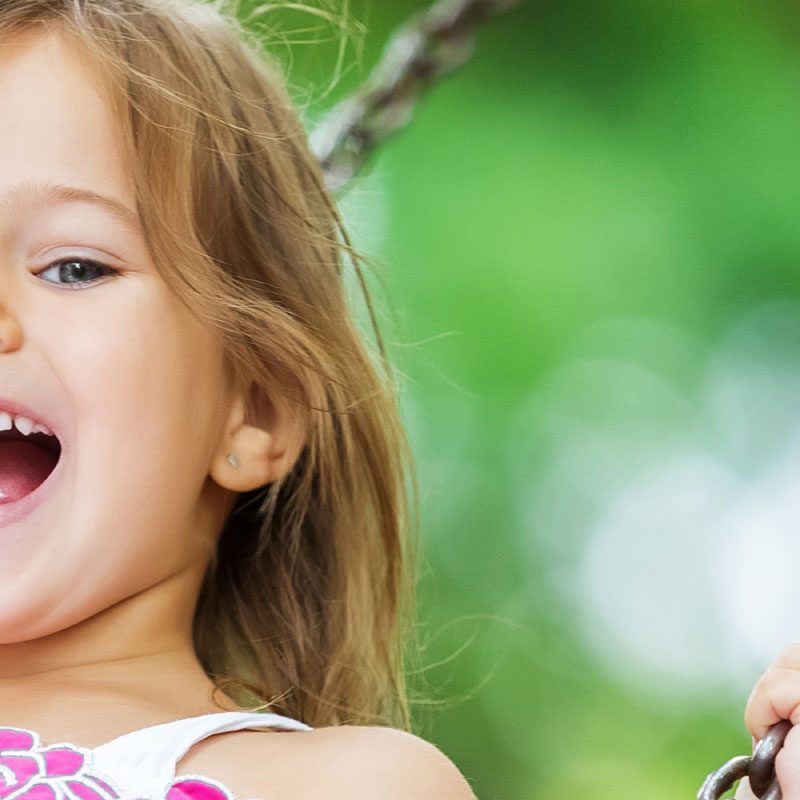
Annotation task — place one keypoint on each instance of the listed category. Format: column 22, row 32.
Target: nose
column 10, row 330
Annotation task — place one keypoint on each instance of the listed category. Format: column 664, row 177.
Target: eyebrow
column 60, row 193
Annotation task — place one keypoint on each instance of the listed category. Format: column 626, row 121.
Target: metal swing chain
column 428, row 45
column 759, row 768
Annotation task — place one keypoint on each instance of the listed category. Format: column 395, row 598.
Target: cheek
column 145, row 394
column 145, row 411
column 147, row 383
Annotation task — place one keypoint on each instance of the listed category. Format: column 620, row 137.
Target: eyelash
column 78, row 284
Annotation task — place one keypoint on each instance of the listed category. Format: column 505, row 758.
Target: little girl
column 202, row 486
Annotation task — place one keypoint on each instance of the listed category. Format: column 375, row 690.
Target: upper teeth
column 24, row 425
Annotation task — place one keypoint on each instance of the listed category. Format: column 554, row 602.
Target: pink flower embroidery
column 192, row 787
column 29, row 771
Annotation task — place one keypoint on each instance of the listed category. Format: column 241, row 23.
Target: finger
column 743, row 791
column 776, row 696
column 787, row 766
column 789, row 657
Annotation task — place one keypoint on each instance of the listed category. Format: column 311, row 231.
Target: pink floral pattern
column 29, row 771
column 196, row 788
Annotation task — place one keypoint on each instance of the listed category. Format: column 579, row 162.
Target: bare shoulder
column 391, row 764
column 338, row 762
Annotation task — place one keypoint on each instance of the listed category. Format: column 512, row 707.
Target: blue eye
column 74, row 271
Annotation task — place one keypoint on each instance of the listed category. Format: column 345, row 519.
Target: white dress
column 139, row 765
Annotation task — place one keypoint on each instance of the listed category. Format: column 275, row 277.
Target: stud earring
column 233, row 460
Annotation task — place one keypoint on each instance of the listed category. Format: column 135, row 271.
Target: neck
column 133, row 663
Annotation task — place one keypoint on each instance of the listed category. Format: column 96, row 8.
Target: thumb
column 787, row 766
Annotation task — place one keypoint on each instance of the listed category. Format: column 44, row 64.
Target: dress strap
column 147, row 758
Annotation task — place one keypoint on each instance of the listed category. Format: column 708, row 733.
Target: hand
column 776, row 696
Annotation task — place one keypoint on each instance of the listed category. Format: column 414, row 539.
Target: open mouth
column 25, row 463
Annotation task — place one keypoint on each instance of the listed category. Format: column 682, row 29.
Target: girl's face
column 133, row 383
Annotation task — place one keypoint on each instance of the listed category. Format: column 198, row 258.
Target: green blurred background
column 589, row 238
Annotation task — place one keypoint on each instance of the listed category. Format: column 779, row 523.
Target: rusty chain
column 427, row 46
column 759, row 769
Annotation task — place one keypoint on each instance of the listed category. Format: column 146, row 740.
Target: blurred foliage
column 595, row 161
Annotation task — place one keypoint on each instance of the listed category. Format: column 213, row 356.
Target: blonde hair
column 306, row 601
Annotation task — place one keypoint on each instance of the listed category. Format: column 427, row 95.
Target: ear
column 266, row 436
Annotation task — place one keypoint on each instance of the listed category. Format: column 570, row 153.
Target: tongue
column 23, row 466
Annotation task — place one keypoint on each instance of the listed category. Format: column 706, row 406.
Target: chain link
column 427, row 46
column 759, row 769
